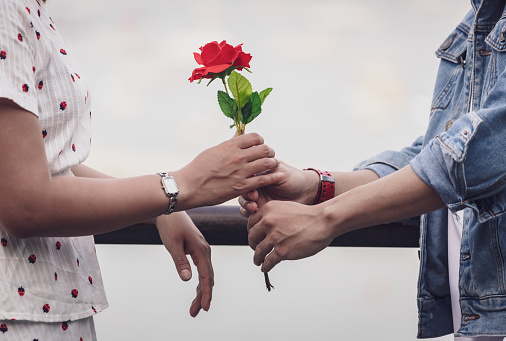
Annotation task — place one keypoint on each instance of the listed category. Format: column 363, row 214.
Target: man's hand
column 286, row 231
column 297, row 185
column 181, row 237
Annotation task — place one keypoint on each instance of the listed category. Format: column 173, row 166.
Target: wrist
column 326, row 186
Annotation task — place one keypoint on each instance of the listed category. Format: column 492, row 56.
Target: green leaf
column 240, row 87
column 227, row 105
column 252, row 109
column 264, row 94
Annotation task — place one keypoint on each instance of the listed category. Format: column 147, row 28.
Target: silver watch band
column 171, row 190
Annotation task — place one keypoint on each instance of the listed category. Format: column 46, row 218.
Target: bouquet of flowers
column 222, row 60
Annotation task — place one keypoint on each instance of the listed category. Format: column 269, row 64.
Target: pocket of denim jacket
column 453, row 51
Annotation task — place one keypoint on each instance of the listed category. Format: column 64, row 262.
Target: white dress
column 50, row 280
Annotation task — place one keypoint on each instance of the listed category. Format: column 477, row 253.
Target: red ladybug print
column 38, row 12
column 74, row 149
column 28, row 10
column 90, row 279
column 3, row 54
column 45, row 308
column 74, row 293
column 4, row 242
column 51, row 25
column 63, row 105
column 20, row 37
column 21, row 291
column 3, row 328
column 55, row 276
column 37, row 34
column 58, row 245
column 25, row 87
column 41, row 84
column 64, row 326
column 94, row 310
column 77, row 261
column 73, row 80
column 32, row 259
column 63, row 52
column 33, row 69
column 44, row 134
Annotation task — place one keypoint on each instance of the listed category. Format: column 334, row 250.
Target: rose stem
column 268, row 282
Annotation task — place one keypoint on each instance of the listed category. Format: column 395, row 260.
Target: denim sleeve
column 466, row 165
column 389, row 161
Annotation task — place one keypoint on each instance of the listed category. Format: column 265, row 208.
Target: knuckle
column 257, row 139
column 181, row 261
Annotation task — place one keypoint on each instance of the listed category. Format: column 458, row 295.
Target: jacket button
column 448, row 124
column 448, row 42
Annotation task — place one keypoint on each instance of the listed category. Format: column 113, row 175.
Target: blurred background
column 351, row 78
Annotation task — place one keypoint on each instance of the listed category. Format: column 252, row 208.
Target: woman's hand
column 226, row 171
column 181, row 237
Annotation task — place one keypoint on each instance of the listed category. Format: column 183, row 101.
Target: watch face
column 170, row 185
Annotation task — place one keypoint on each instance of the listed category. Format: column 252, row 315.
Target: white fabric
column 455, row 225
column 81, row 330
column 47, row 279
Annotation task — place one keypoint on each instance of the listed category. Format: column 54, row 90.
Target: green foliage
column 252, row 108
column 228, row 105
column 240, row 87
column 264, row 94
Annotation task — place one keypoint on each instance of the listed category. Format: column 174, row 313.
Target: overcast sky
column 351, row 78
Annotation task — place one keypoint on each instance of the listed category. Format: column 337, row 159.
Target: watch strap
column 171, row 194
column 326, row 187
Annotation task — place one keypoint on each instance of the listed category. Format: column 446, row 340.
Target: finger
column 248, row 140
column 181, row 262
column 252, row 195
column 261, row 252
column 261, row 167
column 196, row 303
column 258, row 152
column 202, row 261
column 263, row 180
column 253, row 220
column 270, row 261
column 248, row 207
column 244, row 213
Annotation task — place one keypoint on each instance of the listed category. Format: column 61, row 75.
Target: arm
column 301, row 186
column 180, row 237
column 287, row 230
column 73, row 206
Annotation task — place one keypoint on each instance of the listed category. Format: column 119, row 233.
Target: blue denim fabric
column 463, row 157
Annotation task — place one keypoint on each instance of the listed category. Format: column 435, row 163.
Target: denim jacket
column 463, row 157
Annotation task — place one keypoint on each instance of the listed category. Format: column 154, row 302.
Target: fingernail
column 185, row 274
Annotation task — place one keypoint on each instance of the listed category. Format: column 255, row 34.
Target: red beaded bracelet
column 326, row 187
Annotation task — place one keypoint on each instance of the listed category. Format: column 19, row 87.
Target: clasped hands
column 281, row 224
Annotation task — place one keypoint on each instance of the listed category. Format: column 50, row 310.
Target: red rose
column 217, row 58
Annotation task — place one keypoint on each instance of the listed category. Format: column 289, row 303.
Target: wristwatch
column 169, row 185
column 326, row 187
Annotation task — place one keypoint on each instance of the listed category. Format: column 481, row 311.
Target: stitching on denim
column 444, row 94
column 497, row 254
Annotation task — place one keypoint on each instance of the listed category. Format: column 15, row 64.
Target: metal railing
column 223, row 225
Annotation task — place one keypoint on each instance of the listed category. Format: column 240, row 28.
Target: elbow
column 19, row 225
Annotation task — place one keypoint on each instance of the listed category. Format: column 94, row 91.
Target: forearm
column 70, row 206
column 346, row 181
column 397, row 196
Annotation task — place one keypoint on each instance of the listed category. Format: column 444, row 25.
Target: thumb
column 182, row 265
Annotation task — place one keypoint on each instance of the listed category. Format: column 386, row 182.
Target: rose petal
column 243, row 60
column 209, row 53
column 198, row 58
column 226, row 56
